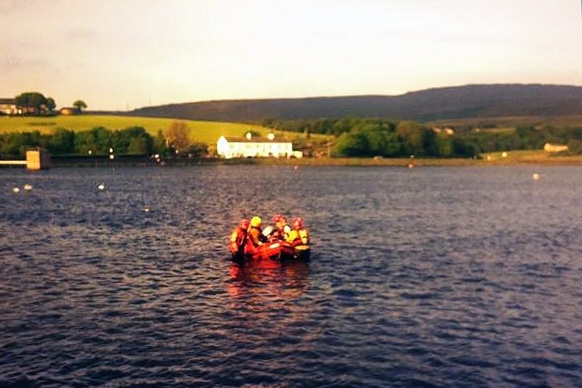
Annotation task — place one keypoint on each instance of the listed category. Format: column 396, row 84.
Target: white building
column 253, row 147
column 8, row 106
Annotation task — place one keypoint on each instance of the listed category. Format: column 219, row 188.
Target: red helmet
column 297, row 223
column 277, row 218
column 244, row 224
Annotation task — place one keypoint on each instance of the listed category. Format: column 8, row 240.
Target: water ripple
column 432, row 278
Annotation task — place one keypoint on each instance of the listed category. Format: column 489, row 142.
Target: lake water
column 431, row 277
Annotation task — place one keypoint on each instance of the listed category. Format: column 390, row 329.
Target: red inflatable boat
column 276, row 250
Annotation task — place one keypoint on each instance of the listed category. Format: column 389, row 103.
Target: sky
column 127, row 54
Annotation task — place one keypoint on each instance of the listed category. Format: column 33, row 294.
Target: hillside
column 463, row 102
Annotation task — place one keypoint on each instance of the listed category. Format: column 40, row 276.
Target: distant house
column 448, row 131
column 555, row 147
column 66, row 111
column 254, row 147
column 8, row 107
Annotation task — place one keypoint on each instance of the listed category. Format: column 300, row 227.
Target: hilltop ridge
column 456, row 102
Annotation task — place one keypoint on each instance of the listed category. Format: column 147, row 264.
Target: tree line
column 357, row 137
column 524, row 137
column 381, row 137
column 135, row 141
column 37, row 104
column 353, row 137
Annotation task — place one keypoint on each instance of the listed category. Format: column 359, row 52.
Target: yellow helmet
column 256, row 221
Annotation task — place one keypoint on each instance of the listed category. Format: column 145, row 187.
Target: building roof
column 255, row 139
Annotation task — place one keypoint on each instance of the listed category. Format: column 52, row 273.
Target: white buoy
column 101, row 186
column 147, row 209
column 536, row 176
column 16, row 190
column 27, row 187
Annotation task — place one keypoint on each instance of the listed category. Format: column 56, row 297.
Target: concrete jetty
column 35, row 160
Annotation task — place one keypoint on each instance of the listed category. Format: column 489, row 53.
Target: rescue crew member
column 299, row 235
column 238, row 238
column 282, row 229
column 255, row 235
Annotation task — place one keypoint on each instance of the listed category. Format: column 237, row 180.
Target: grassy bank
column 512, row 159
column 493, row 159
column 394, row 162
column 536, row 157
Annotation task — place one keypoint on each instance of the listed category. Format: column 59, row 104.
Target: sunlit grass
column 203, row 131
column 529, row 157
column 490, row 159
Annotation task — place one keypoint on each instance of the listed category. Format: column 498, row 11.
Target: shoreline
column 521, row 158
column 333, row 162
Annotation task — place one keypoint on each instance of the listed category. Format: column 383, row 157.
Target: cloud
column 8, row 6
column 17, row 64
column 80, row 35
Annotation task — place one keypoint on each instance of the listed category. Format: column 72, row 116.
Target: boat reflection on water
column 268, row 280
column 269, row 313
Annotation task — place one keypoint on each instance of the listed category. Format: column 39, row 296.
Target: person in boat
column 238, row 238
column 282, row 229
column 255, row 235
column 270, row 233
column 299, row 235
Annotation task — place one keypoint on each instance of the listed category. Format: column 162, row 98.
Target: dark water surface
column 430, row 277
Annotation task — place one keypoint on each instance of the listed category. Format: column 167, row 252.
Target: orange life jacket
column 237, row 239
column 255, row 236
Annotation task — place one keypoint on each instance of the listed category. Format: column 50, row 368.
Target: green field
column 203, row 131
column 504, row 123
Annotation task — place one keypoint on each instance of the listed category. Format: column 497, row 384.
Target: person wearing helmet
column 281, row 227
column 299, row 235
column 238, row 239
column 255, row 235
